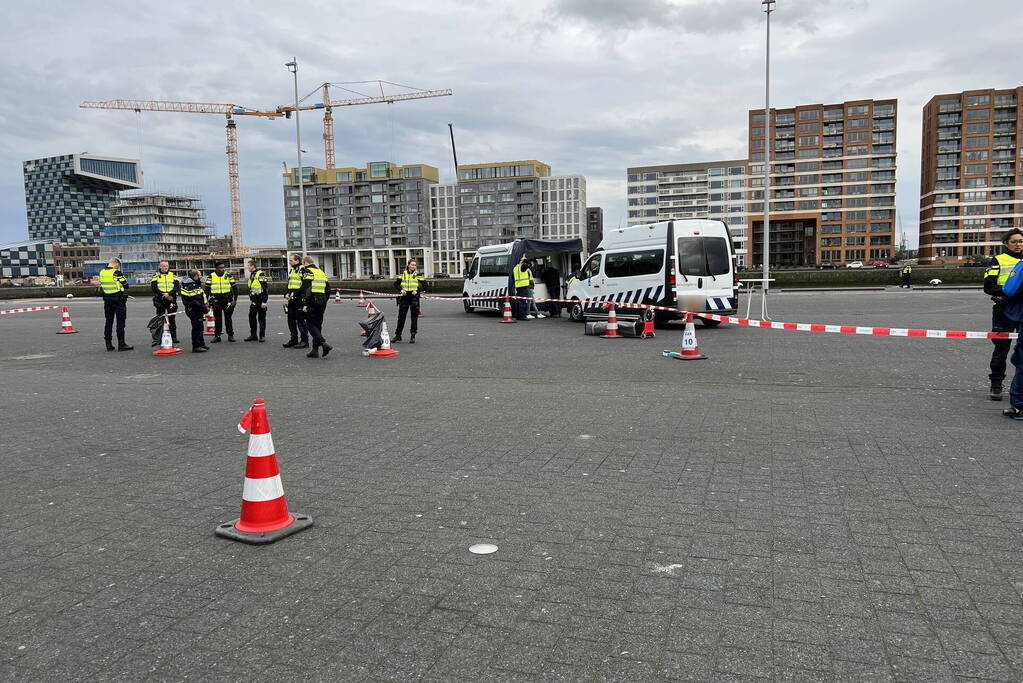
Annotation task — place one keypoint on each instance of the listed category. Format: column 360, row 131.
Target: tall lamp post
column 768, row 6
column 293, row 68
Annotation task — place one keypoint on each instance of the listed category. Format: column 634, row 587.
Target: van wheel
column 466, row 305
column 575, row 312
column 710, row 323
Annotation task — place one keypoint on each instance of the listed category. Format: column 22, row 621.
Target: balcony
column 950, row 107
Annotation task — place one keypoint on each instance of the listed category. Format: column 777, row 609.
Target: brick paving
column 797, row 507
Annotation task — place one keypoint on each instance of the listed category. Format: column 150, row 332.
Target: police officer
column 410, row 283
column 521, row 277
column 293, row 306
column 193, row 296
column 259, row 295
column 313, row 295
column 907, row 277
column 166, row 286
column 115, row 300
column 994, row 277
column 223, row 291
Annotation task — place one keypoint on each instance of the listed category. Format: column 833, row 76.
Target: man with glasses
column 994, row 277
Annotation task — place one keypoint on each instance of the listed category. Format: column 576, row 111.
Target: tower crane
column 228, row 110
column 327, row 105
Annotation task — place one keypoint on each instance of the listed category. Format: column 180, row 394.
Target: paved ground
column 797, row 507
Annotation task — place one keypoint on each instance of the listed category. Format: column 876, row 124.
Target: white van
column 687, row 262
column 491, row 268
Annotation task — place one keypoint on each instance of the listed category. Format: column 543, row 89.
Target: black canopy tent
column 521, row 248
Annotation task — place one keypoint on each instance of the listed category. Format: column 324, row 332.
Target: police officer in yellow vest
column 223, row 291
column 997, row 273
column 166, row 287
column 907, row 277
column 313, row 295
column 259, row 295
column 115, row 299
column 410, row 283
column 522, row 277
column 293, row 305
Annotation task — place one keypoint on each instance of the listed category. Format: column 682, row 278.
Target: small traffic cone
column 362, row 300
column 371, row 310
column 211, row 324
column 690, row 349
column 648, row 325
column 612, row 325
column 507, row 316
column 385, row 350
column 167, row 347
column 265, row 517
column 337, row 296
column 65, row 322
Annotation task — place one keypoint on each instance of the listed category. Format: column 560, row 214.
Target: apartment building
column 712, row 189
column 594, row 227
column 970, row 174
column 832, row 182
column 362, row 221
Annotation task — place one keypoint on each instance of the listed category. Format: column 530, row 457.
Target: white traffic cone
column 167, row 347
column 385, row 350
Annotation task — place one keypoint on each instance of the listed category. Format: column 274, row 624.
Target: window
column 977, row 100
column 976, row 169
column 703, row 256
column 494, row 266
column 809, row 141
column 978, row 114
column 978, row 127
column 809, row 127
column 979, row 141
column 634, row 263
column 856, row 110
column 857, row 124
column 592, row 267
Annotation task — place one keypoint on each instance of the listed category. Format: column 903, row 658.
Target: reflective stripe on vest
column 220, row 284
column 256, row 282
column 521, row 277
column 410, row 281
column 1005, row 266
column 295, row 277
column 109, row 283
column 319, row 280
column 194, row 291
column 165, row 281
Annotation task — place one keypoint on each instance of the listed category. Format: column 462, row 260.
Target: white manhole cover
column 483, row 549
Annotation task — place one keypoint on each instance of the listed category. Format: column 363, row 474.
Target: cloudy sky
column 589, row 86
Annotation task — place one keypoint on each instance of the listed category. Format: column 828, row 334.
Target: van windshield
column 699, row 256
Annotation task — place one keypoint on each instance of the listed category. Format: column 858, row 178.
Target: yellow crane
column 228, row 110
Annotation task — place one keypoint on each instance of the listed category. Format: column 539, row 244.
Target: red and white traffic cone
column 211, row 324
column 265, row 517
column 648, row 325
column 385, row 350
column 371, row 310
column 65, row 322
column 337, row 296
column 506, row 317
column 362, row 300
column 167, row 347
column 612, row 325
column 690, row 349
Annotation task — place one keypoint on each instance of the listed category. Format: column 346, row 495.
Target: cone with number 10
column 167, row 347
column 265, row 517
column 690, row 349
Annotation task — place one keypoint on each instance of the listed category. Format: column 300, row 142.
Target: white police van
column 690, row 261
column 489, row 273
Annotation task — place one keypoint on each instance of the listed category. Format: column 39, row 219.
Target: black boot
column 110, row 344
column 251, row 337
column 303, row 345
column 315, row 353
column 395, row 340
column 996, row 390
column 412, row 339
column 290, row 343
column 327, row 348
column 122, row 346
column 200, row 349
column 216, row 339
column 230, row 337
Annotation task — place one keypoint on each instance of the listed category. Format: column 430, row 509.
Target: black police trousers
column 314, row 319
column 222, row 312
column 297, row 322
column 198, row 320
column 999, row 323
column 114, row 308
column 405, row 304
column 257, row 314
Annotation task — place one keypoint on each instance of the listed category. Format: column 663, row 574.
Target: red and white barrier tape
column 749, row 322
column 29, row 309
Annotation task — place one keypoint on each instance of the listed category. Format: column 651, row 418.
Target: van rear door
column 704, row 265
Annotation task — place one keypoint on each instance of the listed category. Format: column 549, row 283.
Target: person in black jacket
column 259, row 295
column 193, row 296
column 114, row 287
column 551, row 278
column 166, row 286
column 994, row 277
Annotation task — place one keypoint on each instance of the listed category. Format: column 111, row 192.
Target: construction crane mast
column 327, row 105
column 228, row 110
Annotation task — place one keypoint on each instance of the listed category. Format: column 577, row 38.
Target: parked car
column 878, row 264
column 854, row 264
column 440, row 275
column 826, row 265
column 973, row 264
column 376, row 276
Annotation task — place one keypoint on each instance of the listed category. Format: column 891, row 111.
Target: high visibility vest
column 165, row 281
column 220, row 284
column 109, row 282
column 256, row 282
column 907, row 270
column 295, row 277
column 410, row 281
column 319, row 280
column 521, row 277
column 1003, row 266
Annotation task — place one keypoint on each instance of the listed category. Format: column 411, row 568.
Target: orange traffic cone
column 507, row 316
column 337, row 296
column 265, row 517
column 648, row 325
column 690, row 349
column 167, row 347
column 211, row 324
column 371, row 310
column 65, row 322
column 385, row 350
column 362, row 300
column 612, row 325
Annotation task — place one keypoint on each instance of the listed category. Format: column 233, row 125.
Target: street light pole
column 768, row 6
column 293, row 68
